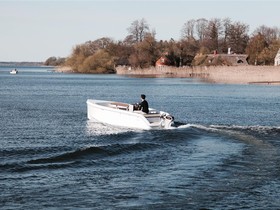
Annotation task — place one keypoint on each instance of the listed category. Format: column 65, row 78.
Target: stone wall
column 216, row 74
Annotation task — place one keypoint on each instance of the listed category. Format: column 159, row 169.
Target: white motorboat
column 14, row 71
column 124, row 115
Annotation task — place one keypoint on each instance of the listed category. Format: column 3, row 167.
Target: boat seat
column 120, row 105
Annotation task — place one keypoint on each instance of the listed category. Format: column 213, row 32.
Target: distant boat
column 14, row 71
column 124, row 115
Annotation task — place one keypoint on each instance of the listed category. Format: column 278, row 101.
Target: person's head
column 143, row 96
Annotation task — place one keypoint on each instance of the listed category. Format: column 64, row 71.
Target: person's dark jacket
column 144, row 106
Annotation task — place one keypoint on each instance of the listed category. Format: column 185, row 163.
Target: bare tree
column 269, row 33
column 223, row 41
column 138, row 30
column 201, row 25
column 188, row 29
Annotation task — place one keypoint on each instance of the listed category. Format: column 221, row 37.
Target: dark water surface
column 223, row 154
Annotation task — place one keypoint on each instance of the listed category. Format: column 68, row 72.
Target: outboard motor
column 167, row 120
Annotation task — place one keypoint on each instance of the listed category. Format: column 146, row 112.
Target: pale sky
column 36, row 30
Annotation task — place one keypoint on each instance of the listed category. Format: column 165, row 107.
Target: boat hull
column 119, row 114
column 13, row 72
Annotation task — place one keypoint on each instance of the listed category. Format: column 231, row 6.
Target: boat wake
column 98, row 129
column 256, row 135
column 113, row 142
column 81, row 157
column 255, row 129
column 94, row 128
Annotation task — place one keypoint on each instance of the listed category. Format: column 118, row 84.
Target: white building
column 277, row 59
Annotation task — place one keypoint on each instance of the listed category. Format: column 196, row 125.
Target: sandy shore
column 219, row 74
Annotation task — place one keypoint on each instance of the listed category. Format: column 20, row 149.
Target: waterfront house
column 162, row 61
column 277, row 59
column 221, row 60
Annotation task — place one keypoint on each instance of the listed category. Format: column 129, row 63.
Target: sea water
column 223, row 152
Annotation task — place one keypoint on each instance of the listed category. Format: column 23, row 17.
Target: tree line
column 198, row 36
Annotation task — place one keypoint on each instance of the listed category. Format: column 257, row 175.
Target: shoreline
column 269, row 75
column 214, row 74
column 246, row 74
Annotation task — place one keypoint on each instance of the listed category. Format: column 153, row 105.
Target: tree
column 270, row 34
column 201, row 25
column 267, row 55
column 82, row 51
column 268, row 41
column 226, row 25
column 201, row 36
column 189, row 50
column 237, row 37
column 173, row 52
column 99, row 62
column 137, row 30
column 213, row 33
column 255, row 46
column 145, row 53
column 77, row 57
column 120, row 52
column 54, row 61
column 188, row 29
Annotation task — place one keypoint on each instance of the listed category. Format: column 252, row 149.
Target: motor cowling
column 167, row 120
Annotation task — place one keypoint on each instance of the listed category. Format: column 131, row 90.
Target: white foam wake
column 98, row 129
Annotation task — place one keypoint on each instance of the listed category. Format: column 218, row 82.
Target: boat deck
column 127, row 107
column 118, row 105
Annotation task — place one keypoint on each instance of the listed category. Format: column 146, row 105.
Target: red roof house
column 163, row 61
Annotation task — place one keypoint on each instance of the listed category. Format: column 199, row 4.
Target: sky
column 39, row 29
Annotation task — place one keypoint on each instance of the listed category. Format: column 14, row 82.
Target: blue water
column 223, row 153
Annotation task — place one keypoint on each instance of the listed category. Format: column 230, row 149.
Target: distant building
column 277, row 59
column 162, row 61
column 228, row 59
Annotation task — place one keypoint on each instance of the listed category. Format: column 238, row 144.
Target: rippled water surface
column 223, row 153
